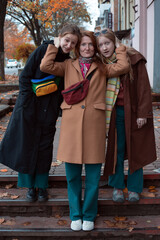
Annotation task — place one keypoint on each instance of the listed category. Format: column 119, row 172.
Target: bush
column 23, row 51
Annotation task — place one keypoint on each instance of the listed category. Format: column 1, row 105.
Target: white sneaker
column 76, row 225
column 87, row 226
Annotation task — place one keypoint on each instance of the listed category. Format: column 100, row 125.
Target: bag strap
column 90, row 75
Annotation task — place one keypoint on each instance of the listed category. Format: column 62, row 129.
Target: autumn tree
column 3, row 4
column 76, row 12
column 43, row 19
column 13, row 37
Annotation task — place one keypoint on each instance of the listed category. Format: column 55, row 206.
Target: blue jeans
column 87, row 210
column 134, row 180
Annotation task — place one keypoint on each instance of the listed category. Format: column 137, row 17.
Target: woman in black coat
column 27, row 145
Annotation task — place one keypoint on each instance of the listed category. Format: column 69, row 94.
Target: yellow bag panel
column 45, row 89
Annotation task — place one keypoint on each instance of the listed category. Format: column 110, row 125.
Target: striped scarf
column 112, row 90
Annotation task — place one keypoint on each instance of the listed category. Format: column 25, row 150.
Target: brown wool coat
column 140, row 143
column 82, row 135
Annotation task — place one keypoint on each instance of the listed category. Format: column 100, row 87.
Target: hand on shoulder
column 57, row 42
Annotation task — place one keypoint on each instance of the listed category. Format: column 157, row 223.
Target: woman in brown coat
column 82, row 136
column 130, row 121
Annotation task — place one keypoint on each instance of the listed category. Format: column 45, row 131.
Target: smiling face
column 68, row 42
column 106, row 46
column 86, row 47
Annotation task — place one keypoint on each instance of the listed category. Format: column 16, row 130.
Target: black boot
column 42, row 195
column 31, row 195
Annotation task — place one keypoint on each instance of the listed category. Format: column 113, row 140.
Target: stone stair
column 21, row 220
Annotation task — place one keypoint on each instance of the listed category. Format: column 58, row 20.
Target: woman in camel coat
column 82, row 136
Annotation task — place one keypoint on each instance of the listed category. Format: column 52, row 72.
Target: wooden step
column 13, row 203
column 132, row 227
column 60, row 180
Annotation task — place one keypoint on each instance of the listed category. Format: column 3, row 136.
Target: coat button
column 83, row 107
column 45, row 110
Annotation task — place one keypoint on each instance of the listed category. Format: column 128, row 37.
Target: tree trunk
column 3, row 4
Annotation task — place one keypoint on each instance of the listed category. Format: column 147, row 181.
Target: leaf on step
column 147, row 194
column 9, row 222
column 14, row 197
column 151, row 187
column 6, row 194
column 132, row 223
column 9, row 186
column 2, row 220
column 26, row 223
column 57, row 163
column 57, row 216
column 4, row 170
column 62, row 222
column 152, row 190
column 130, row 229
column 120, row 218
column 148, row 221
column 121, row 225
column 109, row 223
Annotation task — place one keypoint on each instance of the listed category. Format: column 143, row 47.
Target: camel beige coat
column 82, row 135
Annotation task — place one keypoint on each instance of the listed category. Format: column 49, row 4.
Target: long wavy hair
column 108, row 33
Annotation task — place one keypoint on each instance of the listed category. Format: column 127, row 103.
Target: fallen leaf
column 2, row 220
column 120, row 218
column 6, row 194
column 9, row 186
column 130, row 229
column 109, row 223
column 14, row 197
column 57, row 216
column 57, row 163
column 9, row 222
column 26, row 223
column 4, row 170
column 132, row 223
column 147, row 194
column 148, row 221
column 152, row 190
column 121, row 225
column 151, row 187
column 158, row 227
column 62, row 222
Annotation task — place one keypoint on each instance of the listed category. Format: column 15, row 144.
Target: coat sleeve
column 48, row 64
column 122, row 65
column 144, row 98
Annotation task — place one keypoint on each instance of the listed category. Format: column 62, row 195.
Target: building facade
column 136, row 23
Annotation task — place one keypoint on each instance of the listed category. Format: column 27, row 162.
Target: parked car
column 13, row 63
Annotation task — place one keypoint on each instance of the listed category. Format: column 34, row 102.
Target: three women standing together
column 83, row 126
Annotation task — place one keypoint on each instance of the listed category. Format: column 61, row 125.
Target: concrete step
column 58, row 227
column 4, row 109
column 8, row 87
column 13, row 203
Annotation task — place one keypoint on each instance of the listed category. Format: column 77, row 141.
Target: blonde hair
column 108, row 33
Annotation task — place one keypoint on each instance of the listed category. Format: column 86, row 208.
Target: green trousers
column 88, row 209
column 134, row 180
column 33, row 181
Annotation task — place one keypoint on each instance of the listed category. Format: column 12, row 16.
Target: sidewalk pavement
column 57, row 167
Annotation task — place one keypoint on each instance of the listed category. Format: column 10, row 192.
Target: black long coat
column 27, row 145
